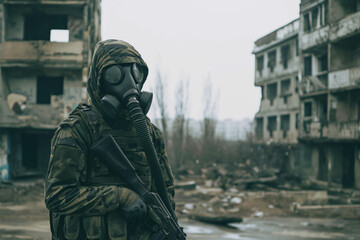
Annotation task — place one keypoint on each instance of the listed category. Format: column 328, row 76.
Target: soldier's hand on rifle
column 132, row 206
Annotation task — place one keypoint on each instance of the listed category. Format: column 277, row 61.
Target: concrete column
column 314, row 162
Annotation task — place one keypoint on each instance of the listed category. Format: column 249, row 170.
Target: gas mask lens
column 137, row 73
column 113, row 75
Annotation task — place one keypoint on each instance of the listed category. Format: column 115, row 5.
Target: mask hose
column 139, row 121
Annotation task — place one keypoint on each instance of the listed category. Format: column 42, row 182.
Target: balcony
column 314, row 38
column 344, row 78
column 331, row 131
column 346, row 27
column 343, row 130
column 314, row 85
column 48, row 54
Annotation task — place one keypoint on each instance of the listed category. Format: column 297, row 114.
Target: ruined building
column 45, row 48
column 328, row 61
column 277, row 68
column 329, row 43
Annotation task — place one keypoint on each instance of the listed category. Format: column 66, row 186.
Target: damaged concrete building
column 329, row 43
column 45, row 48
column 277, row 68
column 328, row 61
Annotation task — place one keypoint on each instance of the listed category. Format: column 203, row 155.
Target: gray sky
column 194, row 39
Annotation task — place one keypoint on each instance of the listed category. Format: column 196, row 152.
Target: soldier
column 86, row 199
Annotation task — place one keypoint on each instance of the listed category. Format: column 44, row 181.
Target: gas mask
column 119, row 84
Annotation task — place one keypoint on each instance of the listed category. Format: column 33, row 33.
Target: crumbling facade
column 41, row 79
column 276, row 72
column 329, row 43
column 327, row 92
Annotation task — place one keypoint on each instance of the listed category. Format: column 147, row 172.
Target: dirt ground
column 265, row 215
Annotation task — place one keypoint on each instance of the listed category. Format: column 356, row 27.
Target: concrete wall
column 24, row 81
column 292, row 100
column 279, row 70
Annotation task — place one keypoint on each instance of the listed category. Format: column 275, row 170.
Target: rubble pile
column 223, row 194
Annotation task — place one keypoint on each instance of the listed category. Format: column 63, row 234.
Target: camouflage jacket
column 81, row 193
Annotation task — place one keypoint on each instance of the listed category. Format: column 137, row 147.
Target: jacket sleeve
column 164, row 163
column 65, row 189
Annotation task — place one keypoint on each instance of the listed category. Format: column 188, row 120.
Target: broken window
column 38, row 25
column 307, row 26
column 259, row 128
column 285, row 55
column 285, row 124
column 307, row 66
column 272, row 60
column 260, row 63
column 47, row 86
column 323, row 63
column 272, row 92
column 271, row 125
column 308, row 109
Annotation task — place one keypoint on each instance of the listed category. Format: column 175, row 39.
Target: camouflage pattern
column 83, row 195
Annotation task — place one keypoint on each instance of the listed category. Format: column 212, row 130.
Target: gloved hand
column 132, row 206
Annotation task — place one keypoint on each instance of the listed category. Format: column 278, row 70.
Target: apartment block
column 276, row 73
column 329, row 44
column 45, row 49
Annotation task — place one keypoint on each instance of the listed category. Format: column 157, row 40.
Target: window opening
column 285, row 55
column 47, row 86
column 272, row 60
column 271, row 125
column 260, row 63
column 58, row 35
column 38, row 25
column 308, row 109
column 259, row 128
column 29, row 153
column 262, row 93
column 285, row 89
column 314, row 17
column 285, row 124
column 307, row 66
column 297, row 47
column 285, row 86
column 297, row 121
column 323, row 63
column 307, row 26
column 272, row 92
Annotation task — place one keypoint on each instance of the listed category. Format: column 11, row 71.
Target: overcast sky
column 194, row 39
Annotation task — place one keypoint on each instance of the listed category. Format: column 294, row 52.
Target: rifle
column 167, row 226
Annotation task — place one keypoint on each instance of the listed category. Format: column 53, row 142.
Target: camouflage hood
column 107, row 53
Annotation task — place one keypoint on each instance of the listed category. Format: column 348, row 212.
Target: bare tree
column 180, row 126
column 160, row 99
column 209, row 111
column 209, row 122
